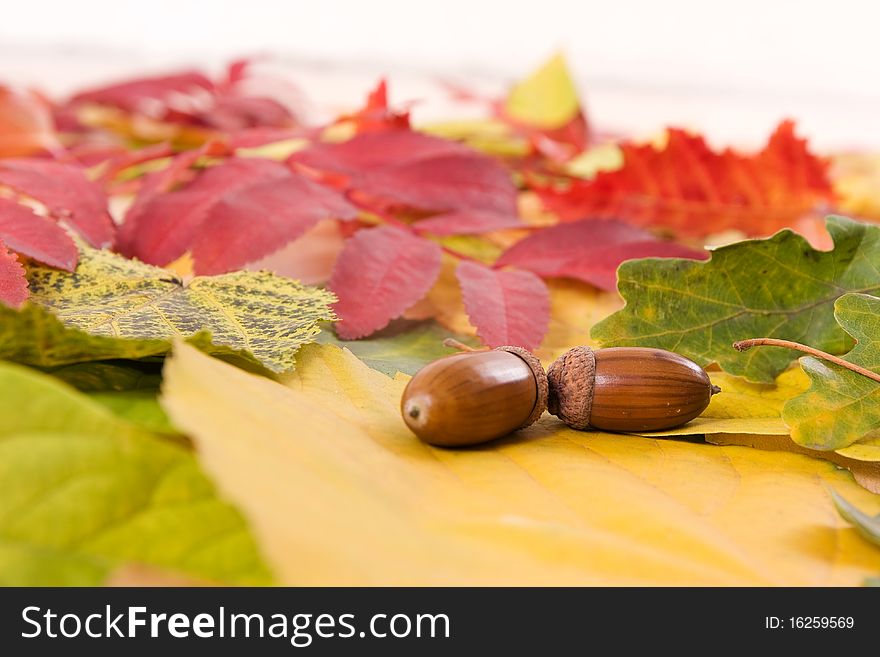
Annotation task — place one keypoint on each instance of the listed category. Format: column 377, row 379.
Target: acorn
column 474, row 397
column 471, row 398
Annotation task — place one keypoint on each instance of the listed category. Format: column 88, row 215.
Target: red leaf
column 694, row 190
column 135, row 95
column 13, row 283
column 255, row 221
column 508, row 307
column 376, row 150
column 36, row 237
column 161, row 227
column 467, row 222
column 380, row 273
column 590, row 250
column 229, row 215
column 420, row 171
column 450, row 182
column 66, row 192
column 376, row 115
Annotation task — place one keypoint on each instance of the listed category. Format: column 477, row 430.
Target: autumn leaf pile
column 209, row 308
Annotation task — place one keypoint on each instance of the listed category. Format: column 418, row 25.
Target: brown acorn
column 474, row 397
column 627, row 389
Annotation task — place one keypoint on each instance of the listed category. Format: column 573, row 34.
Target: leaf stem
column 461, row 346
column 743, row 345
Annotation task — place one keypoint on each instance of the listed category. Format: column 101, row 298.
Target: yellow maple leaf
column 337, row 491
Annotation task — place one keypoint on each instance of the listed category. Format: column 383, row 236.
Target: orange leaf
column 25, row 124
column 693, row 190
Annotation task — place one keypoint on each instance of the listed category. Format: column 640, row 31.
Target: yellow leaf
column 546, row 99
column 602, row 157
column 488, row 135
column 574, row 308
column 338, row 491
column 856, row 179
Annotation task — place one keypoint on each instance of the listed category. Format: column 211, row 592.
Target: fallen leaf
column 590, row 250
column 416, row 170
column 380, row 273
column 546, row 506
column 865, row 472
column 856, row 179
column 779, row 287
column 248, row 314
column 545, row 106
column 467, row 222
column 66, row 192
column 13, row 283
column 841, row 407
column 867, row 526
column 510, row 307
column 231, row 214
column 403, row 346
column 691, row 189
column 25, row 124
column 575, row 308
column 35, row 236
column 82, row 492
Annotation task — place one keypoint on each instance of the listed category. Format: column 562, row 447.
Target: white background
column 732, row 68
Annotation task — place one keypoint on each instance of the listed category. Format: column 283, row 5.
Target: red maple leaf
column 380, row 273
column 13, row 284
column 590, row 250
column 691, row 189
column 510, row 307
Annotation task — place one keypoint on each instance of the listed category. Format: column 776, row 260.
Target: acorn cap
column 571, row 378
column 540, row 380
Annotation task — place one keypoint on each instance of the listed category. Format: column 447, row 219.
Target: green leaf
column 867, row 526
column 126, row 309
column 83, row 492
column 780, row 287
column 404, row 346
column 110, row 376
column 140, row 407
column 547, row 98
column 841, row 407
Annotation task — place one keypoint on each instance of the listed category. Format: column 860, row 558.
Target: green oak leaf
column 841, row 407
column 780, row 287
column 83, row 492
column 127, row 309
column 404, row 346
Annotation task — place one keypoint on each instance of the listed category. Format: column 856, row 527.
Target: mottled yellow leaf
column 257, row 314
column 339, row 492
